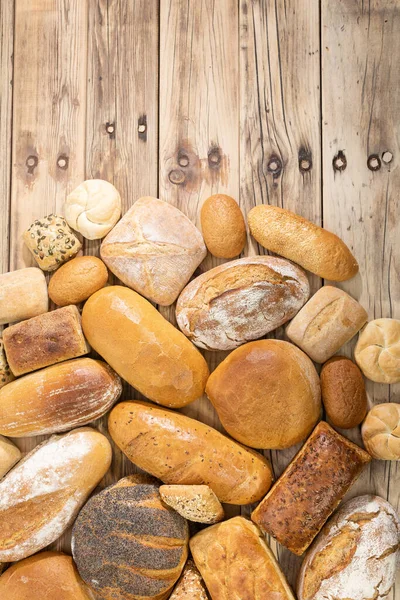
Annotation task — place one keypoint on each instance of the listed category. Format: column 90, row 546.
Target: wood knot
column 31, row 162
column 339, row 161
column 63, row 162
column 176, row 176
column 183, row 159
column 274, row 165
column 387, row 157
column 142, row 128
column 374, row 162
column 305, row 160
column 110, row 129
column 214, row 158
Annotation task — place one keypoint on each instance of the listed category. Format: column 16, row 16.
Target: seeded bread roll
column 127, row 544
column 315, row 249
column 9, row 455
column 23, row 294
column 223, row 226
column 5, row 372
column 196, row 503
column 377, row 352
column 381, row 431
column 78, row 279
column 191, row 585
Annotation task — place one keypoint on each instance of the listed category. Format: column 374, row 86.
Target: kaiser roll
column 381, row 431
column 378, row 351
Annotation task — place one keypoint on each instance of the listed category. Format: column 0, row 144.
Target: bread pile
column 132, row 539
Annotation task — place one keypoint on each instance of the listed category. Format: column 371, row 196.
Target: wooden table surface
column 294, row 103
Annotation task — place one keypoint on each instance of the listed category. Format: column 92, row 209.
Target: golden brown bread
column 5, row 372
column 180, row 450
column 78, row 279
column 9, row 455
column 23, row 295
column 223, row 226
column 236, row 562
column 143, row 347
column 310, row 488
column 190, row 585
column 240, row 301
column 267, row 394
column 381, row 431
column 58, row 398
column 196, row 503
column 377, row 352
column 44, row 576
column 290, row 235
column 45, row 340
column 343, row 392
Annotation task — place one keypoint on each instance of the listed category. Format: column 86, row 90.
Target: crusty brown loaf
column 190, row 586
column 355, row 555
column 377, row 352
column 5, row 372
column 78, row 279
column 45, row 576
column 328, row 320
column 23, row 295
column 180, row 450
column 343, row 392
column 223, row 226
column 315, row 249
column 310, row 488
column 9, row 455
column 127, row 544
column 42, row 495
column 267, row 394
column 236, row 562
column 45, row 340
column 381, row 431
column 154, row 249
column 240, row 301
column 196, row 503
column 58, row 398
column 143, row 347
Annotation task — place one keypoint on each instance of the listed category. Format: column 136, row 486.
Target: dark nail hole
column 31, row 163
column 387, row 157
column 339, row 161
column 177, row 176
column 214, row 158
column 305, row 160
column 63, row 161
column 110, row 129
column 274, row 165
column 374, row 162
column 142, row 128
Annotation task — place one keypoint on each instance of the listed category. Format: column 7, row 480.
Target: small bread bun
column 377, row 352
column 343, row 392
column 223, row 226
column 381, row 431
column 196, row 503
column 78, row 279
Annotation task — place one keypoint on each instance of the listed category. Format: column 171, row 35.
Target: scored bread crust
column 196, row 503
column 377, row 352
column 381, row 431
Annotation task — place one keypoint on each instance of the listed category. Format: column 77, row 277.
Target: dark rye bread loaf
column 127, row 544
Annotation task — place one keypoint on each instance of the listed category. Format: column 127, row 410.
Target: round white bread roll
column 381, row 431
column 377, row 352
column 93, row 208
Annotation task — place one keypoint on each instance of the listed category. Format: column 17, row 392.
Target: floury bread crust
column 154, row 250
column 240, row 301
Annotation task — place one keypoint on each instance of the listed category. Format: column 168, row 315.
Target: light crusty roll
column 190, row 586
column 223, row 226
column 267, row 394
column 196, row 503
column 315, row 249
column 240, row 301
column 381, row 431
column 180, row 450
column 143, row 347
column 9, row 455
column 42, row 495
column 355, row 555
column 23, row 294
column 377, row 352
column 235, row 561
column 45, row 576
column 58, row 398
column 310, row 488
column 328, row 320
column 154, row 249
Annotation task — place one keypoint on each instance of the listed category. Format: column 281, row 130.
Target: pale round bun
column 381, row 431
column 267, row 394
column 93, row 208
column 377, row 352
column 44, row 576
column 78, row 279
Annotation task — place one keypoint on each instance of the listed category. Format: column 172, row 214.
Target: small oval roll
column 223, row 226
column 177, row 449
column 315, row 249
column 143, row 347
column 58, row 398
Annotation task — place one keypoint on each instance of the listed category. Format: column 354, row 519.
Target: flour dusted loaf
column 42, row 495
column 127, row 544
column 58, row 398
column 5, row 372
column 196, row 503
column 9, row 455
column 143, row 347
column 180, row 450
column 45, row 340
column 236, row 562
column 381, row 431
column 328, row 320
column 45, row 576
column 154, row 250
column 240, row 301
column 23, row 294
column 267, row 394
column 315, row 249
column 78, row 279
column 355, row 555
column 377, row 352
column 223, row 226
column 310, row 488
column 190, row 586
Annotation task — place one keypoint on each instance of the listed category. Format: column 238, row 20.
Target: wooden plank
column 361, row 115
column 280, row 158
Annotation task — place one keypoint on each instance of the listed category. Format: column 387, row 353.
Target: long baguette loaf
column 177, row 449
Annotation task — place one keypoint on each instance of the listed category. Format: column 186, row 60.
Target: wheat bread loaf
column 377, row 352
column 196, row 503
column 223, row 226
column 78, row 279
column 190, row 585
column 23, row 294
column 9, row 455
column 381, row 431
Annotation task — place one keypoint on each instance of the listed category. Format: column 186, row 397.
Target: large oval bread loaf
column 58, row 398
column 127, row 544
column 177, row 449
column 355, row 555
column 42, row 495
column 240, row 301
column 143, row 347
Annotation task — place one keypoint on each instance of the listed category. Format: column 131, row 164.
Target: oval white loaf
column 355, row 555
column 23, row 294
column 42, row 495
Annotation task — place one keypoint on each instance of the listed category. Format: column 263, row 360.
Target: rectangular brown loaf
column 310, row 488
column 45, row 340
